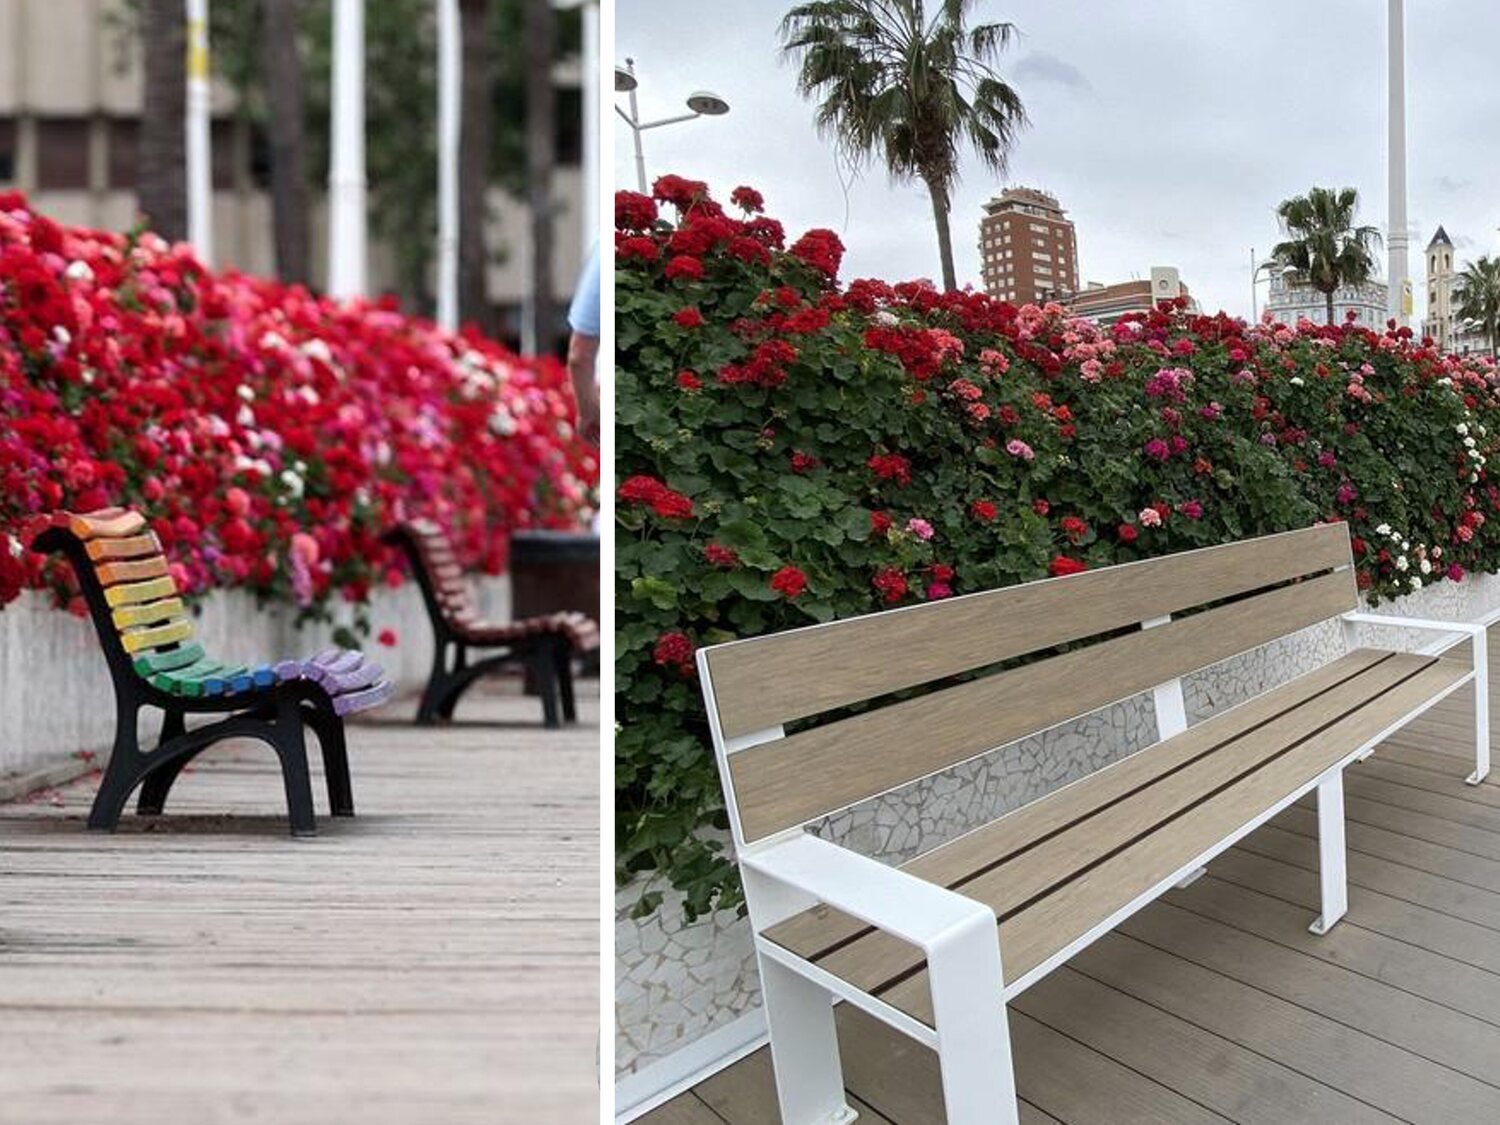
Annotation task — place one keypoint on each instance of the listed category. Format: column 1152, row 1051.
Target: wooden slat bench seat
column 939, row 945
column 146, row 633
column 546, row 644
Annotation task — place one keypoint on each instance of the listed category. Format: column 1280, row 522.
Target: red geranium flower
column 634, row 211
column 983, row 510
column 748, row 199
column 716, row 554
column 688, row 317
column 1062, row 565
column 674, row 650
column 685, row 266
column 789, row 581
column 890, row 584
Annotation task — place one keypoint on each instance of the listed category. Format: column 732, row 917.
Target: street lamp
column 701, row 103
column 1270, row 266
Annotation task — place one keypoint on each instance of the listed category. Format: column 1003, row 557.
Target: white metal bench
column 917, row 945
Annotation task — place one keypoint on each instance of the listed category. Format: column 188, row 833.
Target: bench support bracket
column 1332, row 865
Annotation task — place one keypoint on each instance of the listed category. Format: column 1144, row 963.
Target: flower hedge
column 269, row 435
column 792, row 450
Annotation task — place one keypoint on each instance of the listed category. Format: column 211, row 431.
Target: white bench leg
column 1481, row 709
column 979, row 1085
column 804, row 1048
column 1331, row 852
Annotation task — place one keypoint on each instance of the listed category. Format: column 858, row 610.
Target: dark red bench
column 545, row 644
column 147, row 637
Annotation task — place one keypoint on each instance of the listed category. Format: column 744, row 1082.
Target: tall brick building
column 1027, row 249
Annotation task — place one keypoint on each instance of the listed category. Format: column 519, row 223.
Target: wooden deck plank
column 1360, row 1065
column 1462, row 1042
column 433, row 959
column 1211, row 1070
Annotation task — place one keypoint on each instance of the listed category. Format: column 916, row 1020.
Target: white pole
column 200, row 198
column 1254, row 307
column 588, row 228
column 1396, row 235
column 635, row 130
column 450, row 75
column 346, row 165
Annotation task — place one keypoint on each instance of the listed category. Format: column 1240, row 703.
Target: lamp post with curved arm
column 700, row 103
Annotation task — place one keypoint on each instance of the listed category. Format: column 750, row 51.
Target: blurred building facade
column 1290, row 301
column 70, row 97
column 1105, row 304
column 1442, row 325
column 1028, row 250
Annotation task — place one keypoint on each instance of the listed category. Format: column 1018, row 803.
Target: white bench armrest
column 1355, row 617
column 887, row 898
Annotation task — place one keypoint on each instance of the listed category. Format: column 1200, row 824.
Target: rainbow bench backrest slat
column 150, row 619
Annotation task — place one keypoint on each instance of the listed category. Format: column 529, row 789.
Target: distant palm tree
column 163, row 143
column 908, row 89
column 1324, row 248
column 1477, row 291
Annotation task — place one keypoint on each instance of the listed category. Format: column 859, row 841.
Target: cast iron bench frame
column 276, row 712
column 546, row 650
column 916, row 945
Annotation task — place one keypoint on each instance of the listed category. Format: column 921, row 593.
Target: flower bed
column 792, row 450
column 269, row 434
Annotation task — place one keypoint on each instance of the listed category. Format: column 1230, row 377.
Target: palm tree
column 908, row 89
column 163, row 157
column 1324, row 248
column 285, row 127
column 1477, row 291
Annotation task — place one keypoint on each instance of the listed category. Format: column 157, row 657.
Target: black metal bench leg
column 330, row 731
column 121, row 774
column 291, row 748
column 159, row 781
column 544, row 667
column 565, row 682
column 430, row 708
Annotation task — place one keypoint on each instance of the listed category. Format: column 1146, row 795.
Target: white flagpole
column 200, row 186
column 346, row 166
column 450, row 77
column 1396, row 234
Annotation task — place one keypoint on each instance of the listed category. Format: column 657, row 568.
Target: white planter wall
column 55, row 696
column 677, row 983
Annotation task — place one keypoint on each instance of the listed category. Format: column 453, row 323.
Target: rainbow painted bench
column 147, row 637
column 545, row 644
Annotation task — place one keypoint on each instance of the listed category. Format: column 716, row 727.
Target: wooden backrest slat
column 130, row 593
column 134, row 547
column 767, row 681
column 138, row 570
column 789, row 781
column 108, row 523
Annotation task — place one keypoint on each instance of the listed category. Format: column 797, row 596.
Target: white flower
column 79, row 271
column 1401, row 563
column 1416, row 583
column 1383, row 529
column 1406, row 544
column 1462, row 427
column 1425, row 567
column 1296, row 381
column 1468, row 441
column 246, row 417
column 62, row 335
column 16, row 549
column 317, row 349
column 246, row 392
column 293, row 482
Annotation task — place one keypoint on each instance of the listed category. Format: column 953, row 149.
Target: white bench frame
column 791, row 871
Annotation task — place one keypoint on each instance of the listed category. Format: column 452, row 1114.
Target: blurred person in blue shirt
column 583, row 347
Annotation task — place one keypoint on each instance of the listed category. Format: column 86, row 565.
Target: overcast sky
column 1168, row 129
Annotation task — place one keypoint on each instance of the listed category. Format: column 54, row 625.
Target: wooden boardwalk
column 1217, row 1004
column 434, row 960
